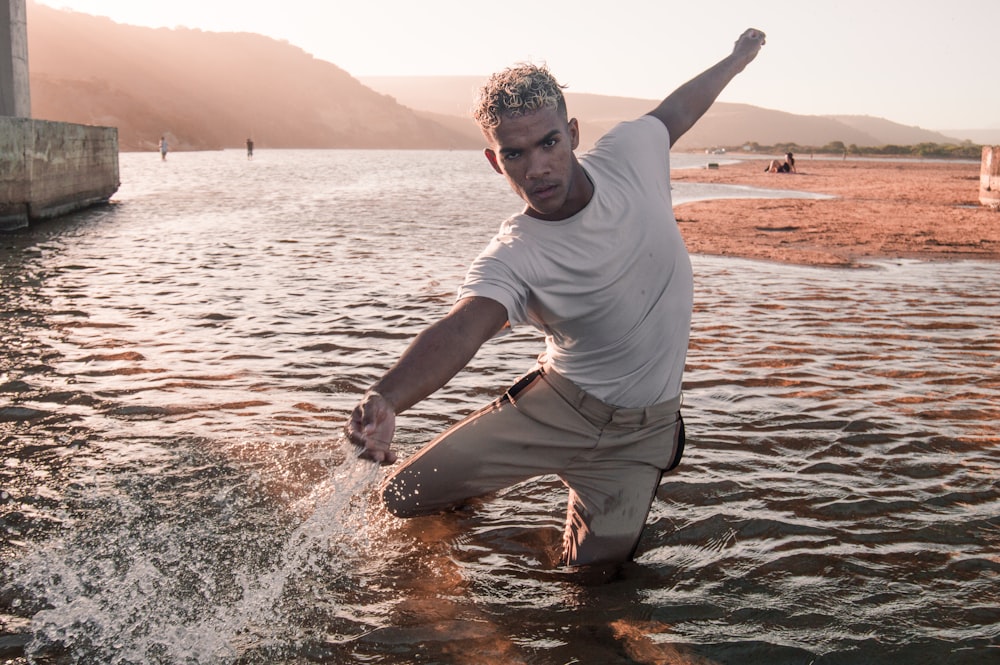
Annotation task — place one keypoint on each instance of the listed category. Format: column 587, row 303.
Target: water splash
column 148, row 572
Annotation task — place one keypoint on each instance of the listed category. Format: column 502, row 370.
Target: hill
column 981, row 136
column 724, row 124
column 208, row 90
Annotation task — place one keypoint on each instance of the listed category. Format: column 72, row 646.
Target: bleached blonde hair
column 515, row 91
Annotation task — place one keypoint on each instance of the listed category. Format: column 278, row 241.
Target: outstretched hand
column 371, row 428
column 748, row 46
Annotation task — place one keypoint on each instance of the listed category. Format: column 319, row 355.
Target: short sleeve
column 489, row 277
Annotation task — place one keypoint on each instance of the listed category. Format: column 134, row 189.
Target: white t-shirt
column 611, row 287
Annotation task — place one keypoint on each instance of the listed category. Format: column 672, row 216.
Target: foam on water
column 142, row 575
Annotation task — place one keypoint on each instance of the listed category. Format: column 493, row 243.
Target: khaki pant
column 611, row 459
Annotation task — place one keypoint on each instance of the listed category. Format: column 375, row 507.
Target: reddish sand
column 913, row 209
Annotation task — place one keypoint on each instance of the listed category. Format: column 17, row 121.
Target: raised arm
column 432, row 359
column 686, row 104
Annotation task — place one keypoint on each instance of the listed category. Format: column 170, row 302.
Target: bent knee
column 403, row 500
column 397, row 499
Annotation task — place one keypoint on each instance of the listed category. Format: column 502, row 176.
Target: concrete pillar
column 15, row 93
column 989, row 177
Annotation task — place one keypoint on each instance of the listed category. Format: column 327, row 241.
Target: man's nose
column 538, row 165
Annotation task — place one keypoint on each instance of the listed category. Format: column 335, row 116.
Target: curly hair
column 515, row 91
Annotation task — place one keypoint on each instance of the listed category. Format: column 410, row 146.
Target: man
column 597, row 263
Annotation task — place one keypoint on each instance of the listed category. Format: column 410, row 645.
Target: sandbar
column 919, row 209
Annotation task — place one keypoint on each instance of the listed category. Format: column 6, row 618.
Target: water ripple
column 177, row 367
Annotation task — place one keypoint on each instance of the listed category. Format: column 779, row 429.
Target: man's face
column 535, row 153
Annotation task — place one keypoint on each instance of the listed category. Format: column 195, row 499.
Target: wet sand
column 913, row 209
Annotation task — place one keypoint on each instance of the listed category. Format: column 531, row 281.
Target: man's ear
column 574, row 132
column 491, row 157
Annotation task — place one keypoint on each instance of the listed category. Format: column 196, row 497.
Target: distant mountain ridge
column 207, row 90
column 725, row 124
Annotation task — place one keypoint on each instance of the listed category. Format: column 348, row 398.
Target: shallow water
column 176, row 367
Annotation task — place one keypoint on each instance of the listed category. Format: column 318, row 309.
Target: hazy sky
column 929, row 63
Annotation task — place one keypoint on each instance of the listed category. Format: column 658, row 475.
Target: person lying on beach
column 787, row 166
column 596, row 262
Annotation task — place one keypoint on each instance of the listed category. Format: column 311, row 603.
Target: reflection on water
column 176, row 367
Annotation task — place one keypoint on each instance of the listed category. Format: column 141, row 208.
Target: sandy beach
column 912, row 209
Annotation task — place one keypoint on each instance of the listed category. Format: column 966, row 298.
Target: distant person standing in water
column 249, row 148
column 163, row 148
column 597, row 263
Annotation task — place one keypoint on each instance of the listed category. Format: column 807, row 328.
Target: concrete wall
column 15, row 92
column 53, row 168
column 989, row 177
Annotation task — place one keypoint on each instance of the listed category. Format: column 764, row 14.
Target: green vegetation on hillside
column 965, row 150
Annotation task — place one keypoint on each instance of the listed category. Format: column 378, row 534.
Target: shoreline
column 927, row 210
